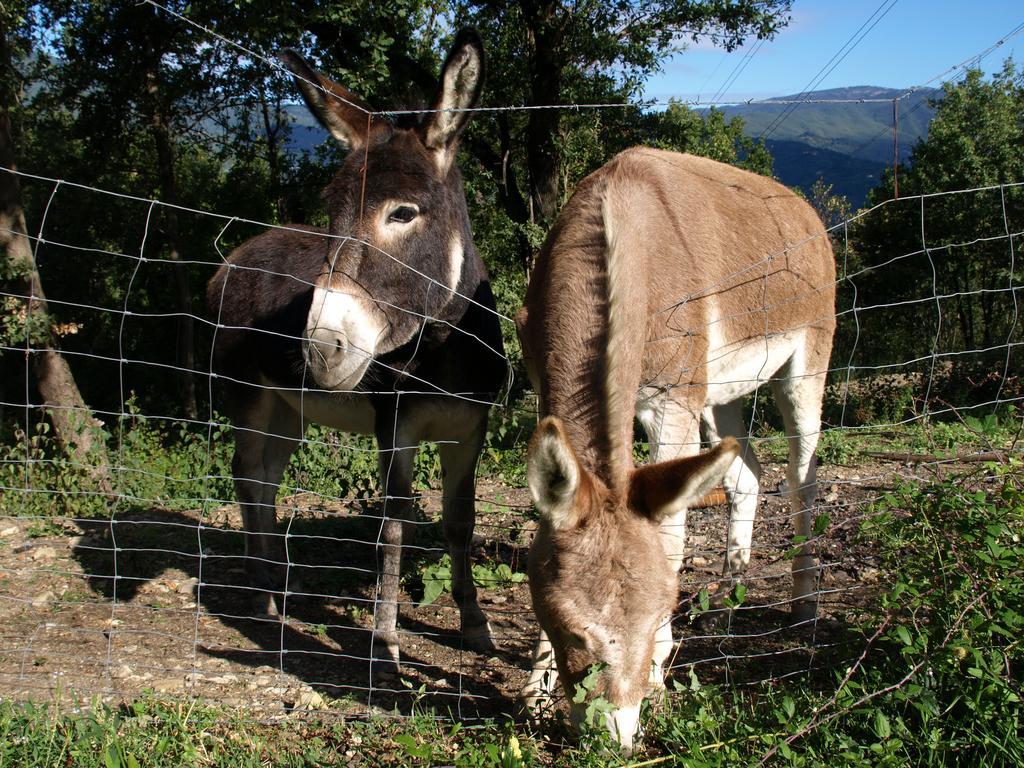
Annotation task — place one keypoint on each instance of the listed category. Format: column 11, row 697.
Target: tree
column 948, row 254
column 158, row 77
column 26, row 317
column 202, row 124
column 832, row 208
column 548, row 53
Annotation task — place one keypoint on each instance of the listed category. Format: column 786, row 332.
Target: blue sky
column 915, row 41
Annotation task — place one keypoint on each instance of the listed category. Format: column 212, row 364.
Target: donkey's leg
column 266, row 436
column 396, row 459
column 537, row 693
column 672, row 425
column 663, row 645
column 742, row 484
column 458, row 469
column 799, row 396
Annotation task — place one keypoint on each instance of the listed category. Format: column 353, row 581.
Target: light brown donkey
column 670, row 287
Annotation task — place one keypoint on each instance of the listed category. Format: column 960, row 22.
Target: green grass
column 938, row 682
column 156, row 732
column 934, row 680
column 943, row 439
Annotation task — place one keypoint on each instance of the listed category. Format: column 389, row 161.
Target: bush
column 935, row 678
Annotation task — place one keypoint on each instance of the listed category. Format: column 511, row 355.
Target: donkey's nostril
column 326, row 348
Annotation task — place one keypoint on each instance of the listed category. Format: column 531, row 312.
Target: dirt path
column 155, row 600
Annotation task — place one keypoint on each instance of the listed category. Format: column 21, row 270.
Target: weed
column 437, row 578
column 43, row 528
column 836, row 447
column 596, row 705
column 316, row 630
column 496, row 576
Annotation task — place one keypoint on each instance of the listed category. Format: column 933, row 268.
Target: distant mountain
column 846, row 144
column 306, row 134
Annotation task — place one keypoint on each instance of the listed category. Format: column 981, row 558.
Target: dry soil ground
column 155, row 601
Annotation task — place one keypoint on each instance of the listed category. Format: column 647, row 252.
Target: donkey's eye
column 403, row 214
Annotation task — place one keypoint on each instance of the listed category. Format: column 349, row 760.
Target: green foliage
column 935, row 270
column 38, row 480
column 885, row 399
column 19, row 325
column 496, row 576
column 180, row 465
column 937, row 683
column 836, row 447
column 832, row 208
column 146, row 733
column 172, row 464
column 504, row 455
column 956, row 608
column 596, row 706
column 333, row 464
column 437, row 578
column 152, row 731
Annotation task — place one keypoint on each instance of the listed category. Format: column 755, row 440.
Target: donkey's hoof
column 533, row 705
column 479, row 638
column 804, row 611
column 713, row 619
column 383, row 670
column 264, row 606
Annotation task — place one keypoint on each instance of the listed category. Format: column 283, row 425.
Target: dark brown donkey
column 670, row 287
column 382, row 324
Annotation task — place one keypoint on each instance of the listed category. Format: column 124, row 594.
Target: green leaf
column 789, row 707
column 432, row 589
column 704, row 599
column 740, row 592
column 882, row 728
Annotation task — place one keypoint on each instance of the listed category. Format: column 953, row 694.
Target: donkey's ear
column 462, row 79
column 345, row 116
column 659, row 490
column 553, row 473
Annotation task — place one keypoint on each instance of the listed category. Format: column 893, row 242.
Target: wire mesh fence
column 147, row 586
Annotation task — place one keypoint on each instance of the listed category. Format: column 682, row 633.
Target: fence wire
column 146, row 588
column 147, row 585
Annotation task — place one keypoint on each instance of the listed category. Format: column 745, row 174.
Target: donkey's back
column 731, row 264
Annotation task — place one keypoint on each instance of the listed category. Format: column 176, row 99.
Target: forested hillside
column 845, row 144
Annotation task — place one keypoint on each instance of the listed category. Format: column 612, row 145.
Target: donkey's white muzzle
column 341, row 337
column 623, row 724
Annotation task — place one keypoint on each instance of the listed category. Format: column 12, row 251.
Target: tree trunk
column 185, row 348
column 272, row 130
column 77, row 430
column 542, row 128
